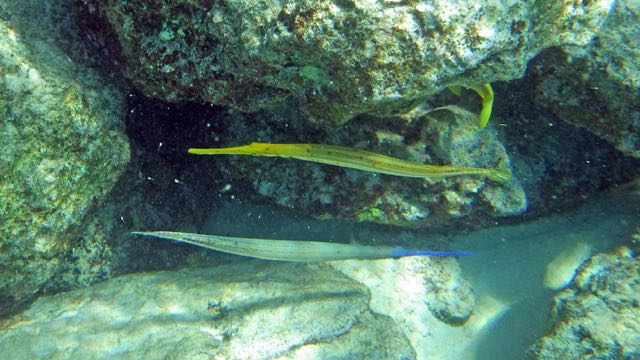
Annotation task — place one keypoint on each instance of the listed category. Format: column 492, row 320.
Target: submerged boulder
column 428, row 298
column 246, row 310
column 337, row 59
column 597, row 87
column 385, row 309
column 63, row 145
column 598, row 316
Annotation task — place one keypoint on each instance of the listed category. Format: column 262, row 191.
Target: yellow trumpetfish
column 355, row 159
column 485, row 91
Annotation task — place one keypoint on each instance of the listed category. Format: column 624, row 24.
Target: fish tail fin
column 501, row 175
column 486, row 93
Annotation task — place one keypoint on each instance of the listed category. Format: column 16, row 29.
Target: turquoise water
column 508, row 263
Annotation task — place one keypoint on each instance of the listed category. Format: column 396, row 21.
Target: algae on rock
column 63, row 146
column 336, row 59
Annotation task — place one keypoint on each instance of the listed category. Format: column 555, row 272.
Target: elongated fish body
column 292, row 250
column 354, row 159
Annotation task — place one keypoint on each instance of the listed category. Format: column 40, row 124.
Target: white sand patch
column 486, row 312
column 561, row 269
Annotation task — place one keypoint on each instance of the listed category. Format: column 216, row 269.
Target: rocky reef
column 597, row 87
column 336, row 59
column 598, row 316
column 93, row 76
column 63, row 144
column 249, row 309
column 376, row 69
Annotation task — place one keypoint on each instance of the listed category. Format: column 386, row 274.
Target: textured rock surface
column 157, row 178
column 335, row 58
column 598, row 87
column 558, row 164
column 248, row 310
column 599, row 315
column 62, row 144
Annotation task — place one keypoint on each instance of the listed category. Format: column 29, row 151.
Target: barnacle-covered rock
column 597, row 87
column 63, row 145
column 599, row 315
column 337, row 59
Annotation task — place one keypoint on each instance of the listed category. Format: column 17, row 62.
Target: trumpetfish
column 293, row 250
column 355, row 159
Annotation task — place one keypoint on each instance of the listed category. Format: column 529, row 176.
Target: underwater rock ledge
column 597, row 87
column 394, row 309
column 337, row 59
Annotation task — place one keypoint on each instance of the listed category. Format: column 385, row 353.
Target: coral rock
column 599, row 315
column 335, row 58
column 63, row 144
